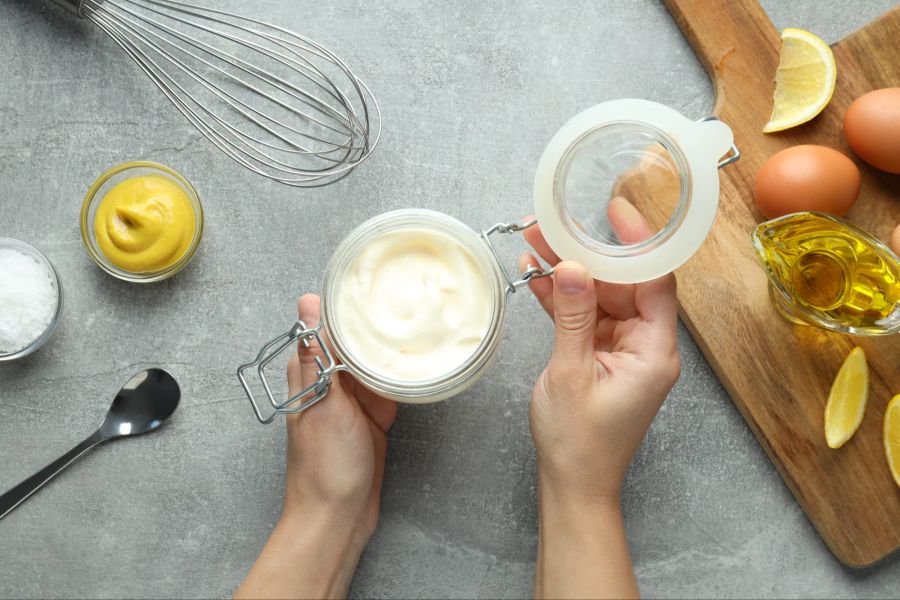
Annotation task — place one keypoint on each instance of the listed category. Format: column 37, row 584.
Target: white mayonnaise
column 413, row 305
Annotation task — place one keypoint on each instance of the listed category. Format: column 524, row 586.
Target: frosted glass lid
column 630, row 152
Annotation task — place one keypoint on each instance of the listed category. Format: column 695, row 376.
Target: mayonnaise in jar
column 413, row 304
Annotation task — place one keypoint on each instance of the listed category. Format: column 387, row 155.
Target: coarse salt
column 28, row 299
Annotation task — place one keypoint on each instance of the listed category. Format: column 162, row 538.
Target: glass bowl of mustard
column 141, row 222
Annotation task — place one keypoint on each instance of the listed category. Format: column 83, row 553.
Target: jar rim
column 442, row 386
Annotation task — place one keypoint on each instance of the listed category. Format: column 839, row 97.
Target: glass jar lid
column 660, row 162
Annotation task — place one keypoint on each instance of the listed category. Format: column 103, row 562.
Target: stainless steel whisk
column 275, row 101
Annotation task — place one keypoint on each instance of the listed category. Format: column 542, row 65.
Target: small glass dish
column 34, row 345
column 98, row 191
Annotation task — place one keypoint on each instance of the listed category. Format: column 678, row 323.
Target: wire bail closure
column 309, row 395
column 530, row 273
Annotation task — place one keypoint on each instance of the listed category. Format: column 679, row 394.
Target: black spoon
column 148, row 399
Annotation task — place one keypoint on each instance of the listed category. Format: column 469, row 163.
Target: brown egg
column 872, row 126
column 895, row 240
column 803, row 178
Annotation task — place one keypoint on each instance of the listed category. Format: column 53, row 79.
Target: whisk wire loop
column 275, row 101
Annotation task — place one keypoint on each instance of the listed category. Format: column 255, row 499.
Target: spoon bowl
column 148, row 399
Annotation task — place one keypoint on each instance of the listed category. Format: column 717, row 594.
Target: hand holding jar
column 335, row 468
column 614, row 360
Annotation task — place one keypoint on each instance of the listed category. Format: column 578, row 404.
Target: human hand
column 335, row 468
column 614, row 360
column 336, row 449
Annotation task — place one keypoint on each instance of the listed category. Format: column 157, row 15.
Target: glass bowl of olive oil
column 827, row 272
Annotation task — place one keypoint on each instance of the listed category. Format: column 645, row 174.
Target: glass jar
column 452, row 382
column 663, row 163
column 338, row 355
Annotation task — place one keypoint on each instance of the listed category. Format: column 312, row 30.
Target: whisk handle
column 71, row 5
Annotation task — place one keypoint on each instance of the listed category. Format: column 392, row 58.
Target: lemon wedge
column 804, row 81
column 892, row 437
column 847, row 399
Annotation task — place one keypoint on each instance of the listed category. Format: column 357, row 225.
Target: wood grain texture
column 777, row 374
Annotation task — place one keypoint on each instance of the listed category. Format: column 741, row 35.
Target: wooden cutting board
column 777, row 374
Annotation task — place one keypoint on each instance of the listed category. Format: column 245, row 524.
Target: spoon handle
column 21, row 492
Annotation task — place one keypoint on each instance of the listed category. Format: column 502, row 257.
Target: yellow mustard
column 145, row 224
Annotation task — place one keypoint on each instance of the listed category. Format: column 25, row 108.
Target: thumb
column 575, row 315
column 308, row 309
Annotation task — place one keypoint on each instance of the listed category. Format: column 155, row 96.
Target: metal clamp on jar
column 661, row 162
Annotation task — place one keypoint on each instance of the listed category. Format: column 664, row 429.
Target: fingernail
column 571, row 281
column 524, row 263
column 627, row 211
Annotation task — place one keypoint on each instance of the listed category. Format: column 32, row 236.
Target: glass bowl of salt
column 31, row 299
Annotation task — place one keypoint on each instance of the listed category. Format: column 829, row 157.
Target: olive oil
column 826, row 272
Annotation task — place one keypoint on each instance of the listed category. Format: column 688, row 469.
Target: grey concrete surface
column 471, row 92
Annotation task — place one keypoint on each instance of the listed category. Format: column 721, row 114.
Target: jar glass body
column 452, row 382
